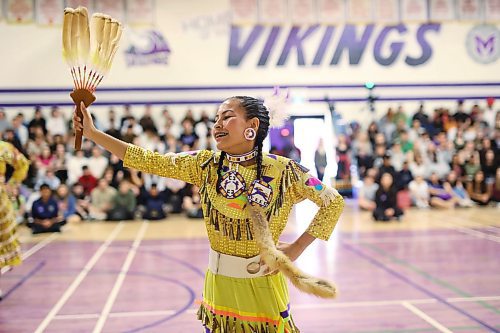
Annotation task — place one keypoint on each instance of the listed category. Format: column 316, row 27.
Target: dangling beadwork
column 232, row 185
column 260, row 193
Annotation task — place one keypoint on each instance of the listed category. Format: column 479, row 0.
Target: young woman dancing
column 247, row 196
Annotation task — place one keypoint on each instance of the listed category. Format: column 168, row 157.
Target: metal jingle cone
column 78, row 96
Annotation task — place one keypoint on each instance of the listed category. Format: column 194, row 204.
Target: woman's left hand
column 291, row 250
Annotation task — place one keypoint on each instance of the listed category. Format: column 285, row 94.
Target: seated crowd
column 443, row 161
column 67, row 186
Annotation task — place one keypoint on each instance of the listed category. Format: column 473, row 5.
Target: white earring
column 250, row 134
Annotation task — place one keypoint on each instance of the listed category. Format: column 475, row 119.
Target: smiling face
column 230, row 124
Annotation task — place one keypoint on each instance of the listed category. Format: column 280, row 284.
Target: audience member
column 385, row 199
column 45, row 213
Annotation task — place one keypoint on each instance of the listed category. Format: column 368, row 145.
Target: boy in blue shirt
column 45, row 213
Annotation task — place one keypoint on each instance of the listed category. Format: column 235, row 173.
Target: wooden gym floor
column 435, row 271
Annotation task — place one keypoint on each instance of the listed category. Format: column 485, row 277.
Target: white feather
column 278, row 105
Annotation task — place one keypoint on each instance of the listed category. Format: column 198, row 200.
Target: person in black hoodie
column 385, row 200
column 386, row 167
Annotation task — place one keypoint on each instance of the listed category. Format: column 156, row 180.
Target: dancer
column 10, row 251
column 247, row 196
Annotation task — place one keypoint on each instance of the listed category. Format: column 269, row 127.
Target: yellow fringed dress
column 10, row 251
column 244, row 305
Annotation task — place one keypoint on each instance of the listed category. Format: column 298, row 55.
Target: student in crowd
column 442, row 195
column 386, row 201
column 101, row 200
column 45, row 213
column 154, row 205
column 478, row 190
column 124, row 203
column 419, row 191
column 366, row 198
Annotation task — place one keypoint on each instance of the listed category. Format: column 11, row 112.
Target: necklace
column 243, row 157
column 233, row 184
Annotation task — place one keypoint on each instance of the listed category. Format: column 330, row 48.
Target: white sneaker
column 467, row 203
column 422, row 205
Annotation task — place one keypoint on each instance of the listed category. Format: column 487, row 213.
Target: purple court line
column 192, row 294
column 380, row 265
column 26, row 253
column 24, row 279
column 486, row 231
column 166, row 256
column 428, row 276
column 179, row 261
column 192, row 297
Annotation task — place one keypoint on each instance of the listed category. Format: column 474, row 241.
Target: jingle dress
column 10, row 250
column 244, row 305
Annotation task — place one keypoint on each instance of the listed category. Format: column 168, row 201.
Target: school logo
column 483, row 43
column 146, row 48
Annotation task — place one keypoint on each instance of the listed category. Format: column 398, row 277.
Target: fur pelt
column 277, row 260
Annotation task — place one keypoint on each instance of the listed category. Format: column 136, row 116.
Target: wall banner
column 354, row 40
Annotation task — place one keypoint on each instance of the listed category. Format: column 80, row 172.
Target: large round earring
column 250, row 134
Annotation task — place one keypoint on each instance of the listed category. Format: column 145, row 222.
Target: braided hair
column 254, row 108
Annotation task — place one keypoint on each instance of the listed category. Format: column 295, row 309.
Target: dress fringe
column 10, row 254
column 10, row 250
column 225, row 323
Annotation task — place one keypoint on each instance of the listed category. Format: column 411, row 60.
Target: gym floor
column 435, row 271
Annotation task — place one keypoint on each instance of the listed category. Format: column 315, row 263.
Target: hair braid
column 259, row 160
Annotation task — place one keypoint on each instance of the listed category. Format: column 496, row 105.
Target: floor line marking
column 77, row 316
column 416, row 238
column 415, row 285
column 473, row 299
column 78, row 280
column 472, row 232
column 121, row 277
column 141, row 313
column 23, row 280
column 361, row 304
column 34, row 249
column 426, row 317
column 434, row 279
column 294, row 307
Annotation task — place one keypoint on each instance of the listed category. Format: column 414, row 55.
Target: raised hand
column 86, row 124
